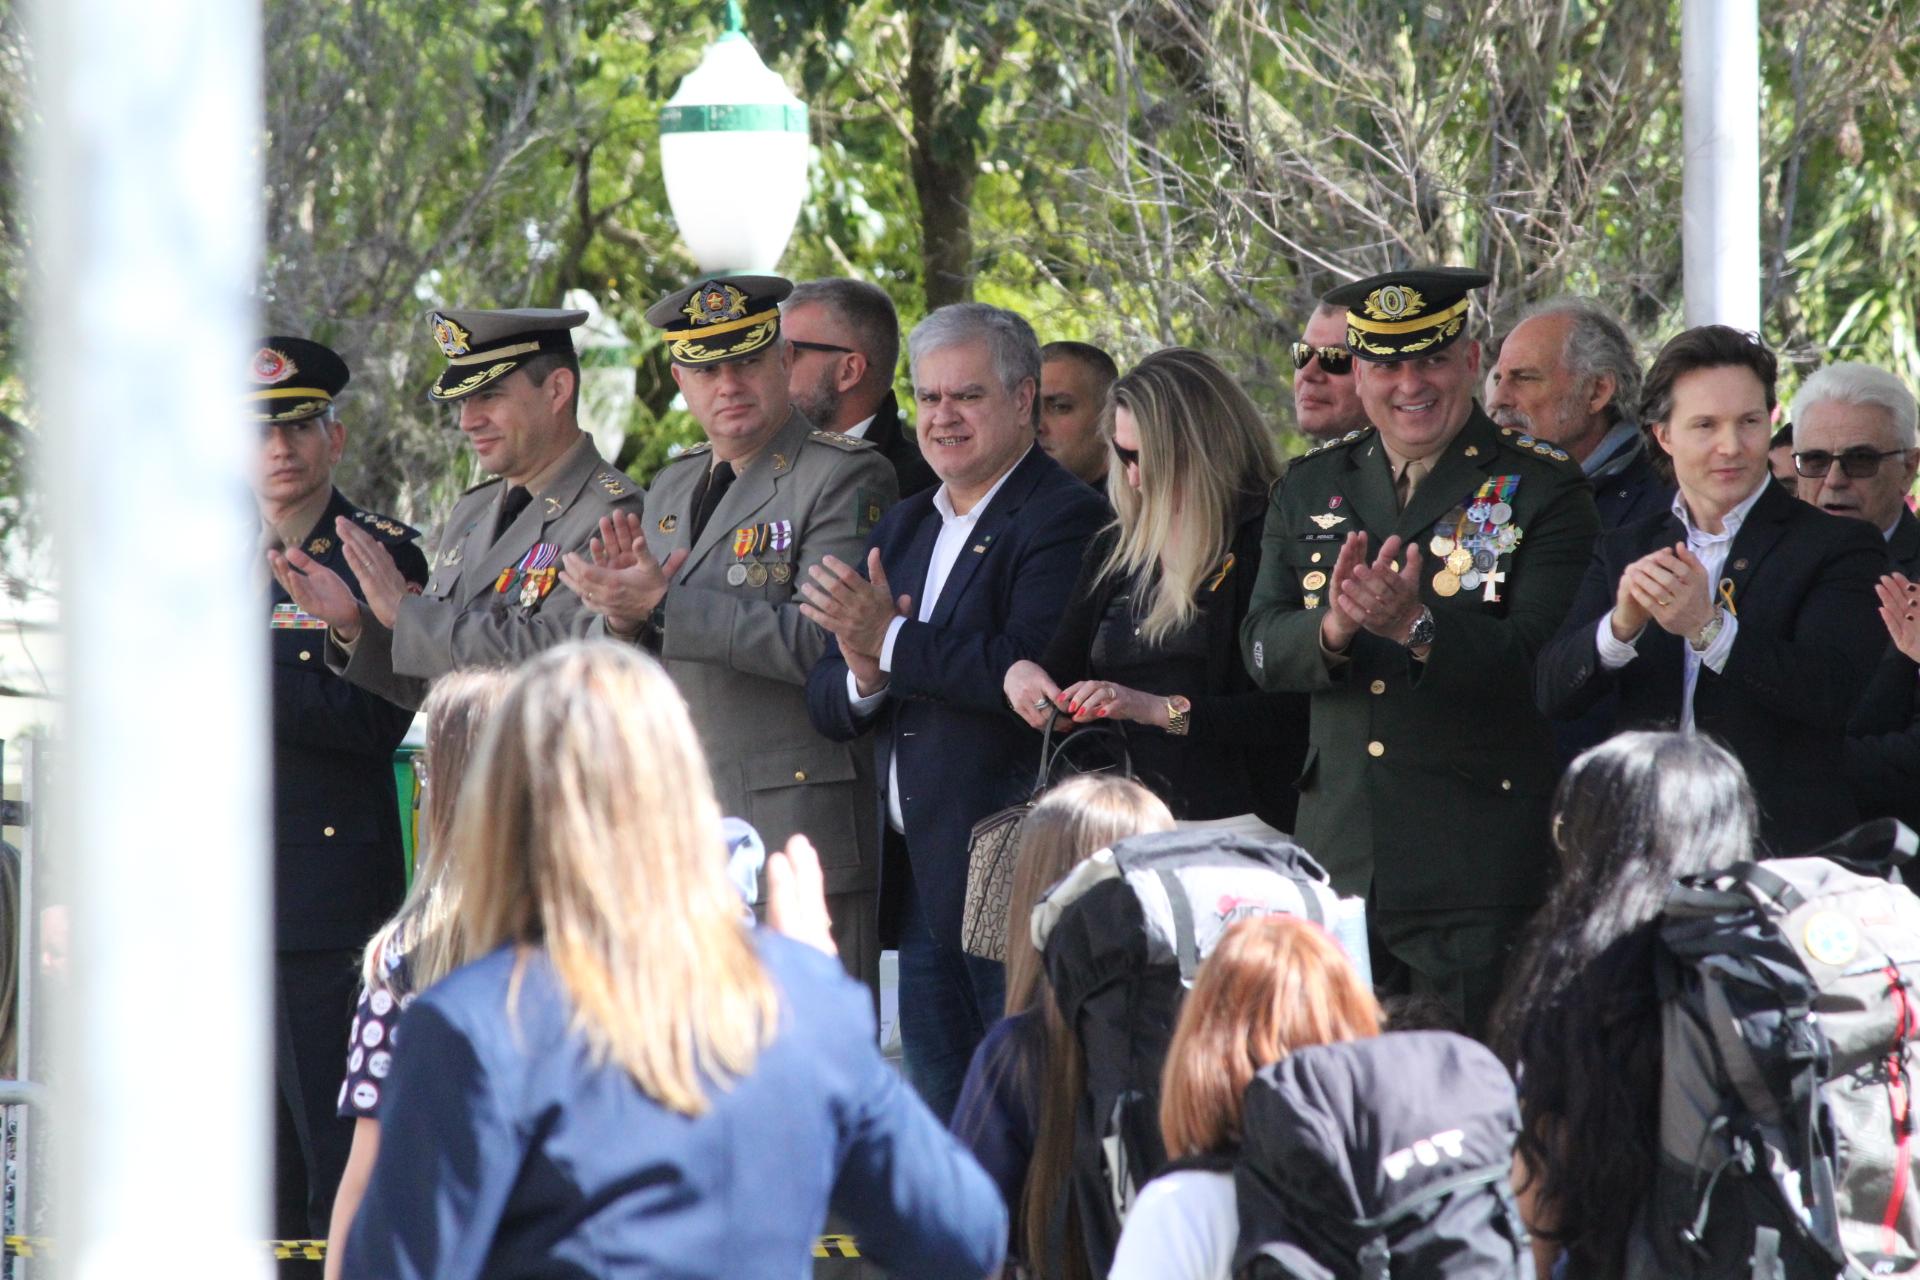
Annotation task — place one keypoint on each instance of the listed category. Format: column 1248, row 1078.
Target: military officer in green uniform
column 1411, row 571
column 493, row 596
column 710, row 582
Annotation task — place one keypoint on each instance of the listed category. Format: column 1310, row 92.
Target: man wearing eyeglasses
column 1325, row 404
column 845, row 338
column 1855, row 452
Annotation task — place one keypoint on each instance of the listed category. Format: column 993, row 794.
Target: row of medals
column 756, row 574
column 1466, row 566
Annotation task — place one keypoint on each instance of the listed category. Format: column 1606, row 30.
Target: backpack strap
column 1769, row 885
column 1186, row 947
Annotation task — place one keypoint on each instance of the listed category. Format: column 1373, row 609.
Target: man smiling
column 1409, row 574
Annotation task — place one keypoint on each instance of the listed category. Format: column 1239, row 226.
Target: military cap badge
column 720, row 318
column 294, row 379
column 452, row 338
column 272, row 366
column 1402, row 314
column 484, row 346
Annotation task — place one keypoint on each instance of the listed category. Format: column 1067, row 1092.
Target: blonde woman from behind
column 1016, row 1107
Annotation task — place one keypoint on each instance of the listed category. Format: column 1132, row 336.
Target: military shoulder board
column 615, row 484
column 1529, row 444
column 1348, row 438
column 841, row 440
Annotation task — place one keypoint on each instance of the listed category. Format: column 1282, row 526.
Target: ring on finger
column 1039, row 704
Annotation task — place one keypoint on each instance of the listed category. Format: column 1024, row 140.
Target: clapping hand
column 1382, row 597
column 1900, row 610
column 797, row 897
column 318, row 591
column 619, row 577
column 1671, row 587
column 858, row 611
column 381, row 581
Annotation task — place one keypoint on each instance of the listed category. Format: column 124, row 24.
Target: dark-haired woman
column 1744, row 613
column 1580, row 1020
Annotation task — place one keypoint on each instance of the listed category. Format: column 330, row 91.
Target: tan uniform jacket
column 739, row 649
column 482, row 607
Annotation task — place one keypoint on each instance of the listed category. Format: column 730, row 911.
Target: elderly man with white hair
column 1855, row 452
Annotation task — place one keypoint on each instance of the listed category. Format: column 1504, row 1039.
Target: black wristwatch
column 1422, row 631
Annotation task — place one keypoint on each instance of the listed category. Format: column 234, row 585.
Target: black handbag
column 993, row 847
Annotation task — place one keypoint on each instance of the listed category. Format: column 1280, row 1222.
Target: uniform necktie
column 510, row 508
column 719, row 479
column 1410, row 474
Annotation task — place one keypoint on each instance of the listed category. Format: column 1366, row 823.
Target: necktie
column 515, row 502
column 1410, row 474
column 713, row 487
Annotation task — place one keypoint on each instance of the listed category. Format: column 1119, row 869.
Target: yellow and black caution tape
column 316, row 1250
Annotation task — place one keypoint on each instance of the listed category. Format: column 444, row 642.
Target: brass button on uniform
column 306, row 656
column 1506, row 784
column 328, row 831
column 1316, row 557
column 799, row 775
column 1378, row 686
column 1376, row 749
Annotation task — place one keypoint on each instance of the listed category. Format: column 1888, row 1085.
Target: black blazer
column 898, row 444
column 1246, row 746
column 1637, row 492
column 1802, row 583
column 1883, row 740
column 338, row 862
column 963, row 753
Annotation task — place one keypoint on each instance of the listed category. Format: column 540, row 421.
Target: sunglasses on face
column 798, row 345
column 1858, row 463
column 1334, row 360
column 1128, row 457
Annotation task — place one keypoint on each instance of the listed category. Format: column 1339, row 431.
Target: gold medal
column 1441, row 544
column 783, row 574
column 1446, row 583
column 1314, row 581
column 1459, row 560
column 756, row 574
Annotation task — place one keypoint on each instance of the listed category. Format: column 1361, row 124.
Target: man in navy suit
column 962, row 582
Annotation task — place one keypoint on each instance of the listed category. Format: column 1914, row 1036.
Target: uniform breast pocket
column 809, row 790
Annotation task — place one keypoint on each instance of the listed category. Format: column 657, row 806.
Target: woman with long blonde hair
column 1016, row 1106
column 1274, row 984
column 630, row 1080
column 422, row 943
column 1150, row 637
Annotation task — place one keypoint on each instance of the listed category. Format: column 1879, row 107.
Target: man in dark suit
column 962, row 582
column 1856, row 451
column 845, row 337
column 338, row 861
column 1409, row 573
column 1742, row 612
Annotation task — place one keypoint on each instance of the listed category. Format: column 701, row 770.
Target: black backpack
column 1122, row 936
column 1789, row 1019
column 1385, row 1157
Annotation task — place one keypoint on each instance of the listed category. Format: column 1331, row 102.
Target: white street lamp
column 733, row 147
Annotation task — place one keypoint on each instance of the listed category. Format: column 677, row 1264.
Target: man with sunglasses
column 1409, row 573
column 1325, row 405
column 1856, row 449
column 845, row 337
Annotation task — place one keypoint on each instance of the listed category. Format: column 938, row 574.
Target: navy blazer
column 505, row 1151
column 1802, row 583
column 963, row 753
column 339, row 866
column 1636, row 492
column 1883, row 741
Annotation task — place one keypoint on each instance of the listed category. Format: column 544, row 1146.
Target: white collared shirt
column 1711, row 550
column 955, row 530
column 858, row 430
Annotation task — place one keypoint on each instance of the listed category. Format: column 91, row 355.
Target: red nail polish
column 1103, row 711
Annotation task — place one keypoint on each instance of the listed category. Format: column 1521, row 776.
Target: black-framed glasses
column 1858, row 463
column 798, row 345
column 1128, row 457
column 1335, row 360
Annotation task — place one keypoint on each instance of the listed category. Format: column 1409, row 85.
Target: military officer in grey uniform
column 493, row 596
column 1411, row 571
column 710, row 582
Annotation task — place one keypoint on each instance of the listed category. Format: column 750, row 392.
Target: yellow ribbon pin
column 1726, row 596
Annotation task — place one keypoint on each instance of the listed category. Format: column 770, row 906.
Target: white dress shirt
column 858, row 431
column 955, row 530
column 1711, row 550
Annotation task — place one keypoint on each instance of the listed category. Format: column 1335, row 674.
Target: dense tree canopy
column 1138, row 173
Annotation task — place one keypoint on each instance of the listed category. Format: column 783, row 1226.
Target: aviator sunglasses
column 1335, row 360
column 1858, row 463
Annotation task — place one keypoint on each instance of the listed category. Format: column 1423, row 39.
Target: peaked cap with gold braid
column 294, row 379
column 1402, row 314
column 484, row 346
column 720, row 318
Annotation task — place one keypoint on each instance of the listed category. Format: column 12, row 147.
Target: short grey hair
column 1596, row 343
column 1010, row 340
column 864, row 308
column 1850, row 382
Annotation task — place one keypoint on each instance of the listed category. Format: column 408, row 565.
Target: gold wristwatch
column 1177, row 720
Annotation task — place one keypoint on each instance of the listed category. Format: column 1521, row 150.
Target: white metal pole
column 147, row 168
column 1720, row 238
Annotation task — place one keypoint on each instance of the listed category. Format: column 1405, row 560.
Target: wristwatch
column 1178, row 721
column 1702, row 640
column 1422, row 631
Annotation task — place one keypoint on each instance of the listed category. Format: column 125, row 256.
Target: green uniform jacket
column 1427, row 784
column 734, row 641
column 467, row 616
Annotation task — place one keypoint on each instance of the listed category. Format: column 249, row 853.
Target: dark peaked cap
column 720, row 318
column 484, row 346
column 294, row 379
column 1398, row 315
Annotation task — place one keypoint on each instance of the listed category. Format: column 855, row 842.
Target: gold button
column 1316, row 557
column 305, row 656
column 1378, row 686
column 1506, row 784
column 1376, row 749
column 329, row 831
column 799, row 775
